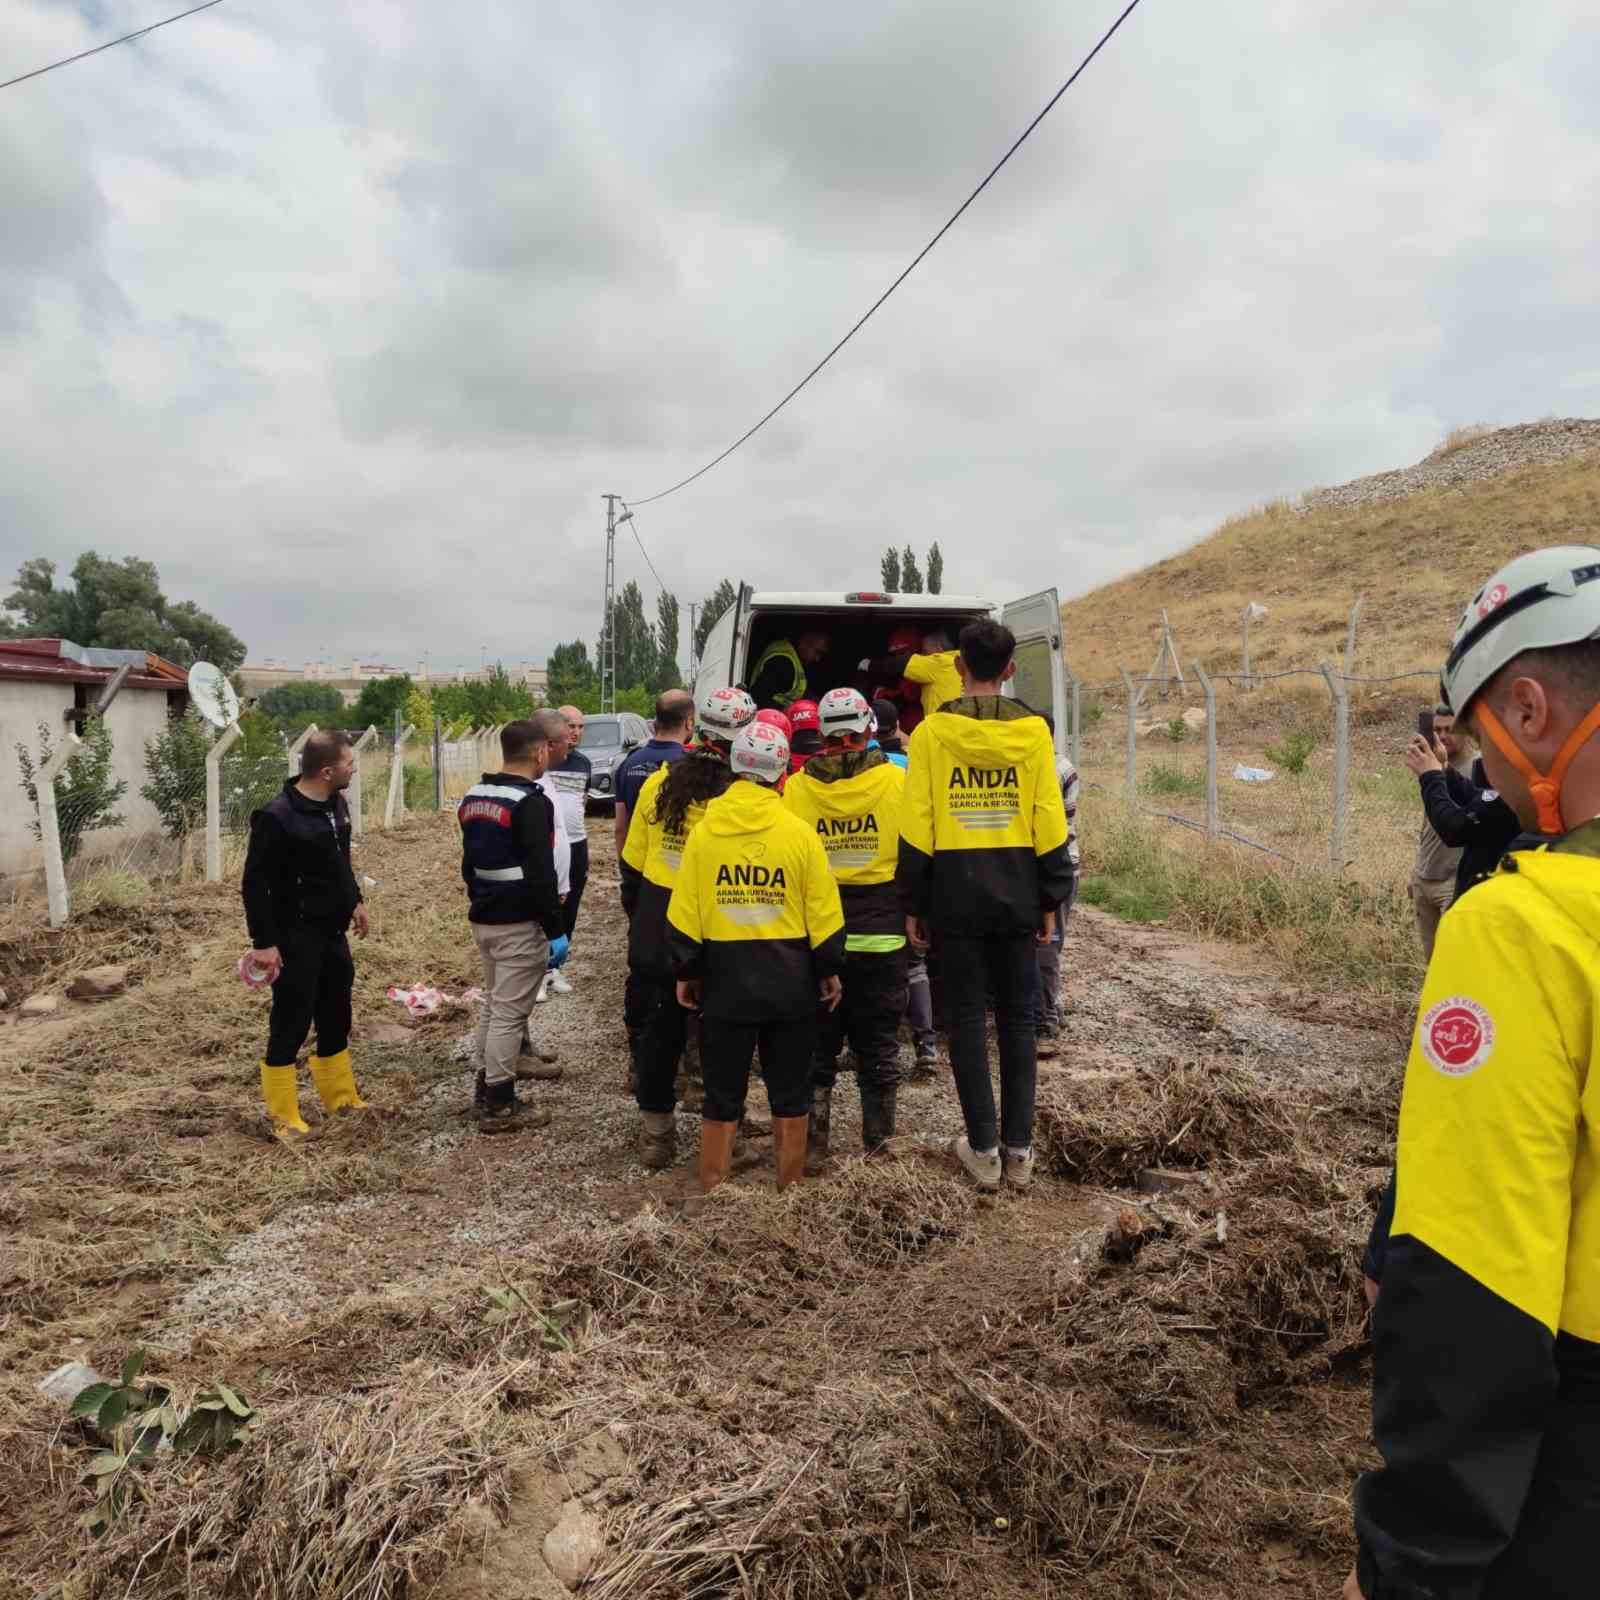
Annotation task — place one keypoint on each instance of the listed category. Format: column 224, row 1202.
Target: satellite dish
column 212, row 695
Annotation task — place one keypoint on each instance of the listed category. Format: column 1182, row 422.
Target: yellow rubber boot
column 336, row 1083
column 280, row 1091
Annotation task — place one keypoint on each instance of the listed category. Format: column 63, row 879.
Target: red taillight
column 863, row 598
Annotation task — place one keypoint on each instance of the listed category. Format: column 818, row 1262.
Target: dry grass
column 1458, row 439
column 1414, row 560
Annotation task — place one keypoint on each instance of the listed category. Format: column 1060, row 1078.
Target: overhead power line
column 1021, row 139
column 633, row 523
column 138, row 33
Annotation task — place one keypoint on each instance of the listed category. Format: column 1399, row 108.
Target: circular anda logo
column 1457, row 1036
column 1493, row 600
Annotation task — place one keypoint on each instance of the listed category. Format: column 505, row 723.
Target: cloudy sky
column 348, row 314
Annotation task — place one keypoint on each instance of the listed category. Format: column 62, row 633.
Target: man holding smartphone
column 1435, row 745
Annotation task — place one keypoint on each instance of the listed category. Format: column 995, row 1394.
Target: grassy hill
column 1415, row 558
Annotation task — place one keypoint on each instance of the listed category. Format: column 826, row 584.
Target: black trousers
column 636, row 1003
column 726, row 1051
column 1006, row 967
column 577, row 877
column 664, row 1025
column 313, row 987
column 868, row 1017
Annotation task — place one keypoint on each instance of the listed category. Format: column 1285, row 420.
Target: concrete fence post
column 396, row 804
column 297, row 747
column 1131, row 774
column 367, row 741
column 1341, row 765
column 1209, row 691
column 55, row 865
column 1350, row 637
column 223, row 743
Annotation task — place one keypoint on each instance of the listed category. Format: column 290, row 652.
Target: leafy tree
column 176, row 762
column 570, row 677
column 482, row 703
column 935, row 569
column 910, row 576
column 637, row 655
column 118, row 605
column 889, row 571
column 296, row 704
column 724, row 595
column 418, row 710
column 253, row 771
column 85, row 795
column 666, row 675
column 379, row 700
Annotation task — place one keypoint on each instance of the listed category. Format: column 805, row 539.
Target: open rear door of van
column 1040, row 681
column 723, row 652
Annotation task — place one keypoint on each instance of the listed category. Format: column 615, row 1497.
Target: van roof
column 864, row 600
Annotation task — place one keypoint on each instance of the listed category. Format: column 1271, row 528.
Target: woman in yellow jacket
column 756, row 934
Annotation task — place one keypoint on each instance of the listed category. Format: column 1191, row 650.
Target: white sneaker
column 540, row 998
column 559, row 984
column 984, row 1170
column 1018, row 1166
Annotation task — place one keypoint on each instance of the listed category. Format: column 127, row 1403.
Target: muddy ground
column 876, row 1383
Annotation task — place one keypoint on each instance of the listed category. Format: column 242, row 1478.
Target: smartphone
column 1425, row 726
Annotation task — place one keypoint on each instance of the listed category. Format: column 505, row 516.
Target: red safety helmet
column 775, row 719
column 804, row 715
column 904, row 639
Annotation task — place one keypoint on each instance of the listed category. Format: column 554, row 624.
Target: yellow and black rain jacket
column 650, row 861
column 983, row 832
column 1486, row 1372
column 852, row 803
column 755, row 911
column 937, row 678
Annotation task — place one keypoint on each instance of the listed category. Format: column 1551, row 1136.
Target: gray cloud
column 347, row 316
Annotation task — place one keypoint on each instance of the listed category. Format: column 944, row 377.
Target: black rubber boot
column 498, row 1111
column 877, row 1116
column 821, row 1124
column 479, row 1090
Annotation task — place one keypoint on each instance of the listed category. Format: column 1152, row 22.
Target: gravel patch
column 1505, row 450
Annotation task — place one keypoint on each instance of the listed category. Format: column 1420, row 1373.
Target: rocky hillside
column 1411, row 542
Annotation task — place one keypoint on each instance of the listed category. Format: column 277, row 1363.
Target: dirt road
column 907, row 1386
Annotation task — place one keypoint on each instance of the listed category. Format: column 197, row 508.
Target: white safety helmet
column 721, row 713
column 760, row 751
column 842, row 711
column 1541, row 600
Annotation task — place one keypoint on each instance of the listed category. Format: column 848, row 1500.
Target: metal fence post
column 1077, row 721
column 438, row 765
column 1341, row 764
column 367, row 741
column 1132, row 774
column 55, row 866
column 220, row 747
column 396, row 804
column 1210, row 693
column 297, row 747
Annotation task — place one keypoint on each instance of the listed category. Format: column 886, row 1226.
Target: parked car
column 607, row 738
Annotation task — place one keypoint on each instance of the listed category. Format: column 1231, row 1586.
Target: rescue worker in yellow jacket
column 849, row 797
column 983, row 864
column 933, row 669
column 757, row 939
column 1486, row 1335
column 670, row 806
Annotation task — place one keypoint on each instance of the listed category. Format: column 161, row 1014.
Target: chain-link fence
column 100, row 835
column 1302, row 765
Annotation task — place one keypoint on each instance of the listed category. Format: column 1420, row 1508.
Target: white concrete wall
column 136, row 715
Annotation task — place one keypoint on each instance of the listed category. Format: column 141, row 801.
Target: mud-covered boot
column 789, row 1148
column 480, row 1093
column 877, row 1115
column 820, row 1126
column 658, row 1139
column 716, row 1152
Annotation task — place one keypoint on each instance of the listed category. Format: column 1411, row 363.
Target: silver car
column 607, row 738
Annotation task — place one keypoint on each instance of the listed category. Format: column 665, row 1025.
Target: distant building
column 349, row 676
column 40, row 681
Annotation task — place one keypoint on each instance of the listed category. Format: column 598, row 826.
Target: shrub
column 1090, row 713
column 85, row 795
column 1177, row 730
column 1294, row 752
column 1159, row 778
column 176, row 762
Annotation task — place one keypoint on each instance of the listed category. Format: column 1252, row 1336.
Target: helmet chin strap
column 1543, row 787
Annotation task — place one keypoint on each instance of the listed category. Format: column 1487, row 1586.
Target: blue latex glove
column 560, row 946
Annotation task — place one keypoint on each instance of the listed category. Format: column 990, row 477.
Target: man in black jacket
column 300, row 895
column 508, row 864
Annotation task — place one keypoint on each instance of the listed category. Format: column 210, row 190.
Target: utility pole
column 608, row 636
